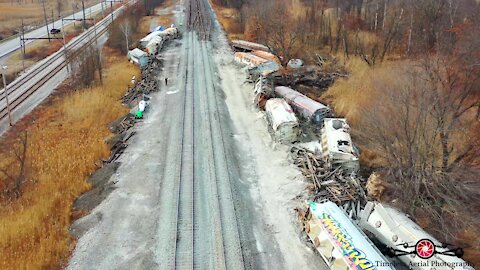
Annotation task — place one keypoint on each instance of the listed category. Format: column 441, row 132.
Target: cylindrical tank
column 303, row 105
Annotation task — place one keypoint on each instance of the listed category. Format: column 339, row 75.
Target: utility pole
column 22, row 45
column 53, row 20
column 73, row 14
column 65, row 47
column 84, row 21
column 46, row 21
column 6, row 95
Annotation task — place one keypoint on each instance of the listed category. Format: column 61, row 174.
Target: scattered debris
column 295, row 63
column 146, row 85
column 309, row 76
column 334, row 185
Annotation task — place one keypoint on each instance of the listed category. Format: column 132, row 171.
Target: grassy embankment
column 66, row 143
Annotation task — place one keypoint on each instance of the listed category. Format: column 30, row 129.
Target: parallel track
column 198, row 225
column 91, row 35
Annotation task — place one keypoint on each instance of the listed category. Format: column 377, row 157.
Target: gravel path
column 200, row 185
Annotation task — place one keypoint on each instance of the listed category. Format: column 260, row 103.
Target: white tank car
column 282, row 120
column 395, row 230
column 304, row 106
column 337, row 146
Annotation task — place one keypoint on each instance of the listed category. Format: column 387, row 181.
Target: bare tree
column 16, row 171
column 126, row 29
column 87, row 63
column 59, row 6
column 279, row 30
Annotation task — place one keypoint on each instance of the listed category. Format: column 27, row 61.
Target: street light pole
column 5, row 90
column 65, row 47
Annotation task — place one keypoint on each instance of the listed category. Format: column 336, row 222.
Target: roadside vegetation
column 412, row 95
column 45, row 168
column 46, row 158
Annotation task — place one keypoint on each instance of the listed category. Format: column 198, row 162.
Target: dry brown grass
column 65, row 145
column 229, row 20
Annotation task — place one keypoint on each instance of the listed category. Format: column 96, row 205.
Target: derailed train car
column 282, row 120
column 339, row 241
column 249, row 59
column 337, row 146
column 309, row 109
column 154, row 45
column 401, row 235
column 167, row 34
column 247, row 46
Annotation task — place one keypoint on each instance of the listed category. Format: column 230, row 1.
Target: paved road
column 33, row 86
column 12, row 45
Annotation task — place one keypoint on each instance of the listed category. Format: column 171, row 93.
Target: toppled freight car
column 307, row 108
column 263, row 69
column 247, row 46
column 337, row 146
column 154, row 45
column 249, row 59
column 262, row 91
column 169, row 33
column 138, row 57
column 404, row 238
column 282, row 120
column 341, row 244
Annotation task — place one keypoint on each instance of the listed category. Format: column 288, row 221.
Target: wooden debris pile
column 123, row 132
column 329, row 184
column 147, row 84
column 308, row 76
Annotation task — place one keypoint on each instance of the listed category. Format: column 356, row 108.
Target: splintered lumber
column 330, row 184
column 146, row 85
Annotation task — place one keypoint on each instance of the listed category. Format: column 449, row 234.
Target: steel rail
column 26, row 94
column 17, row 84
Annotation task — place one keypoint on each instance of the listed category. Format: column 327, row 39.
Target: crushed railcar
column 138, row 57
column 249, row 59
column 167, row 34
column 307, row 108
column 262, row 91
column 282, row 120
column 400, row 235
column 247, row 46
column 339, row 241
column 337, row 147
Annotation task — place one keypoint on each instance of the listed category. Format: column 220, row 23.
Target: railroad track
column 77, row 46
column 197, row 223
column 199, row 19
